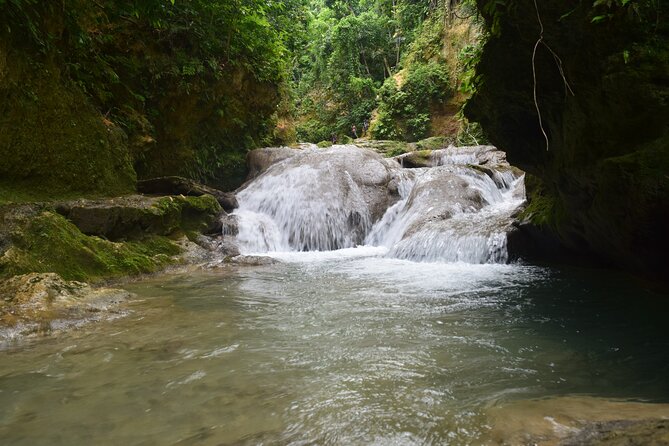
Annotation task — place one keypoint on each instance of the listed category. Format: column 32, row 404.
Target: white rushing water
column 323, row 200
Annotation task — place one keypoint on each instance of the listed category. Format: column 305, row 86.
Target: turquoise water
column 345, row 347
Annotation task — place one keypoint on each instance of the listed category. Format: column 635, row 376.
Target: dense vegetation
column 392, row 64
column 98, row 93
column 95, row 94
column 185, row 87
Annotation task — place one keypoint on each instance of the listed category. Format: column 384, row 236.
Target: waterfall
column 460, row 210
column 451, row 214
column 314, row 201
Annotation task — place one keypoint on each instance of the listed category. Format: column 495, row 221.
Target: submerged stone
column 44, row 297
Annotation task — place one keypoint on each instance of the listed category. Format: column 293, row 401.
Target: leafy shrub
column 404, row 112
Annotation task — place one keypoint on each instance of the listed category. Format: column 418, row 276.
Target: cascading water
column 318, row 200
column 451, row 214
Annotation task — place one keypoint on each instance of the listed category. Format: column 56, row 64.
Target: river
column 410, row 338
column 335, row 348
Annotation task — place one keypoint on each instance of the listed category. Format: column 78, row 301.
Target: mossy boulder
column 175, row 185
column 37, row 239
column 92, row 240
column 134, row 216
column 418, row 158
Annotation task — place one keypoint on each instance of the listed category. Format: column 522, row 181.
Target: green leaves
column 606, row 10
column 405, row 111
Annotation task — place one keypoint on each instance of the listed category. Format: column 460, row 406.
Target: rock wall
column 92, row 97
column 52, row 139
column 601, row 76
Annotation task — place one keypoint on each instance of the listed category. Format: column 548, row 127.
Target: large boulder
column 259, row 160
column 134, row 216
column 441, row 219
column 319, row 198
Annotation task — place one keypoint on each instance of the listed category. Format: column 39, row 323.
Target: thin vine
column 558, row 62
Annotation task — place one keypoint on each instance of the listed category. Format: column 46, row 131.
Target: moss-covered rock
column 433, row 143
column 101, row 239
column 385, row 147
column 174, row 185
column 53, row 142
column 94, row 92
column 418, row 158
column 36, row 239
column 132, row 217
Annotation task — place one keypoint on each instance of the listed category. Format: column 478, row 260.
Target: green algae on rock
column 89, row 246
column 32, row 301
column 47, row 242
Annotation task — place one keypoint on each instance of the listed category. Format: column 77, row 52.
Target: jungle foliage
column 185, row 87
column 192, row 84
column 379, row 61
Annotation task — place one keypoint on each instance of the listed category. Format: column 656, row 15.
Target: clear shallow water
column 335, row 348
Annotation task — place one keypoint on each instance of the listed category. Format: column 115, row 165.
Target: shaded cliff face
column 604, row 174
column 95, row 94
column 52, row 139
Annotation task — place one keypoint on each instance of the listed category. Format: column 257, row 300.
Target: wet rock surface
column 252, row 260
column 133, row 216
column 345, row 196
column 473, row 155
column 33, row 302
column 259, row 160
column 305, row 192
column 579, row 421
column 183, row 186
column 621, row 433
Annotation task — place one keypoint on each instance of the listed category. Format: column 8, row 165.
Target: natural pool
column 344, row 347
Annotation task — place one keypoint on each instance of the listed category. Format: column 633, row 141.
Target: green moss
column 433, row 143
column 324, row 144
column 396, row 150
column 421, row 156
column 204, row 203
column 50, row 243
column 53, row 143
column 386, row 148
column 189, row 213
column 544, row 209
